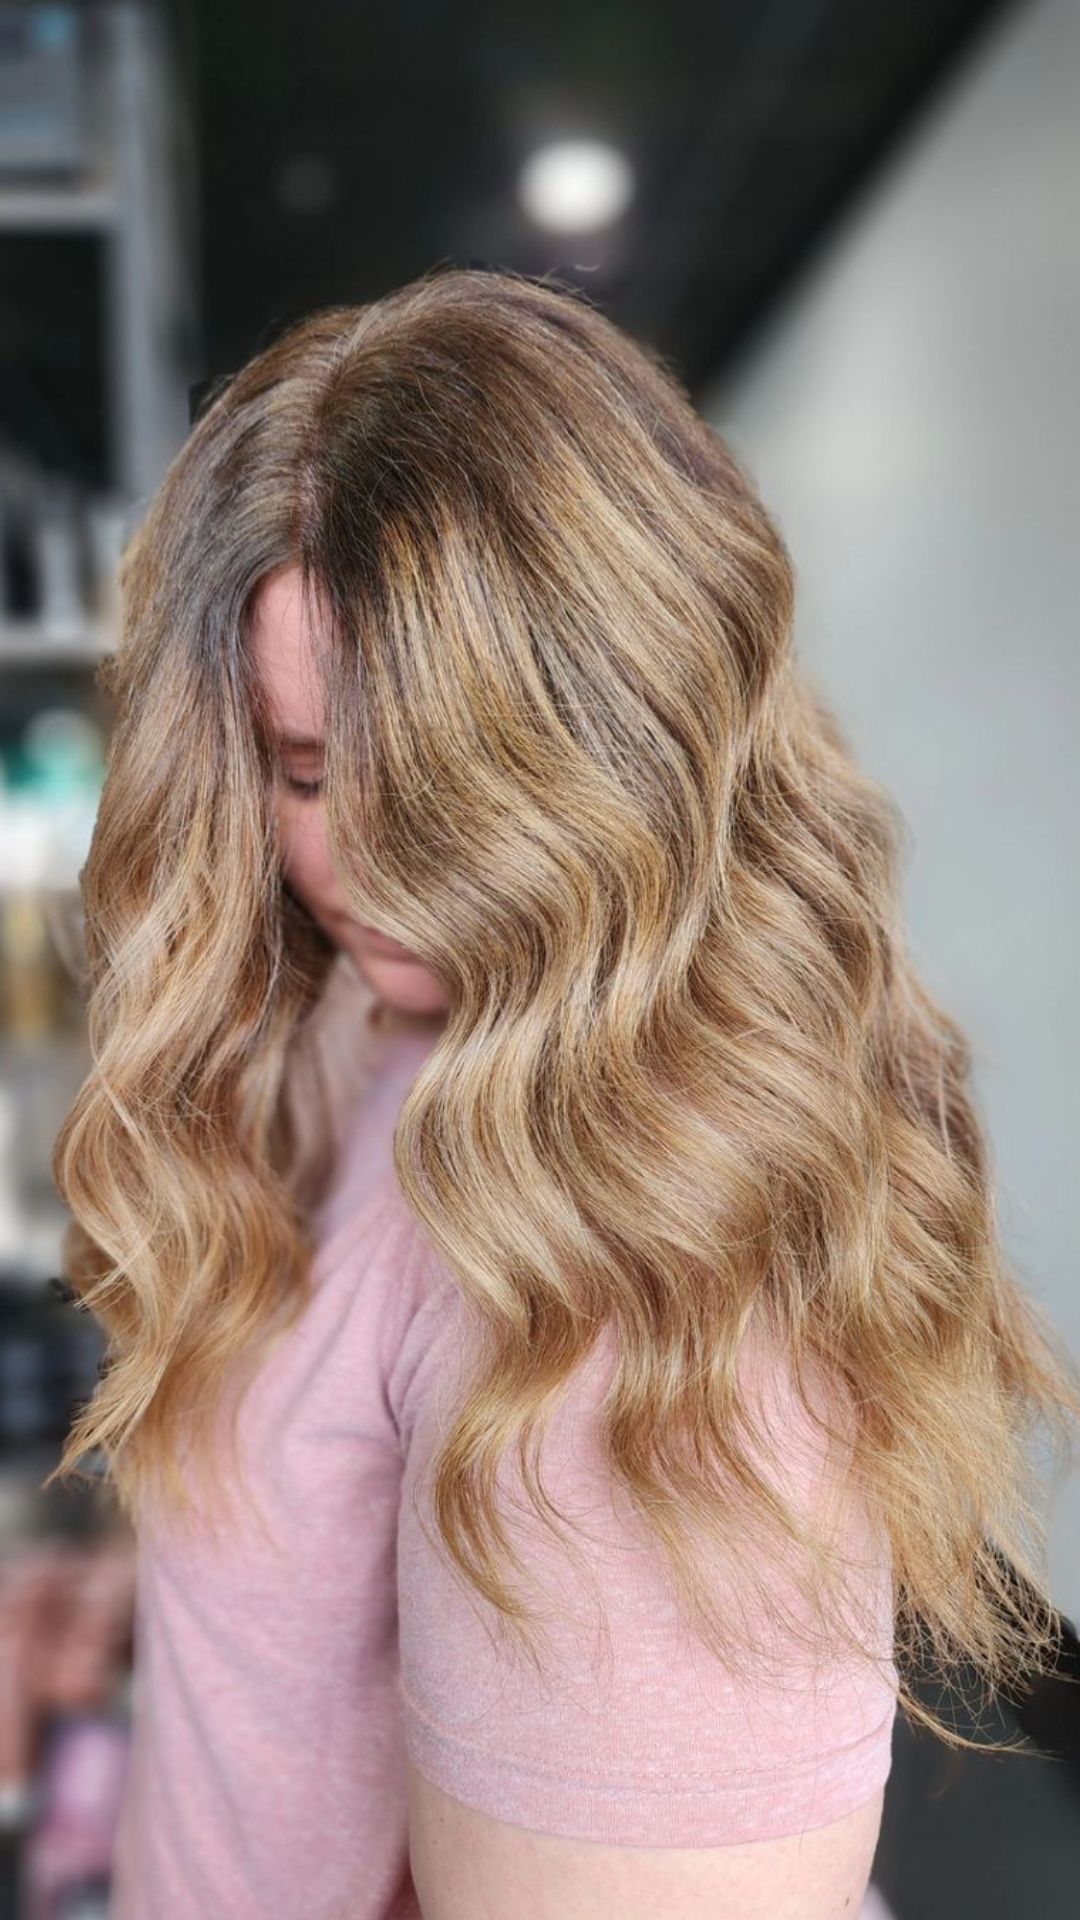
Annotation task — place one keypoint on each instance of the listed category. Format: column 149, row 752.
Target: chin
column 403, row 984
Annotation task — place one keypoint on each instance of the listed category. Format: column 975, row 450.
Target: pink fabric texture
column 283, row 1682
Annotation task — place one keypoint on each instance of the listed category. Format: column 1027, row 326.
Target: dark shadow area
column 985, row 1836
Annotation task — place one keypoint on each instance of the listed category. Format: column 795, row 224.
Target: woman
column 596, row 1264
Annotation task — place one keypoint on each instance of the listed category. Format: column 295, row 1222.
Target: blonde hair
column 690, row 1087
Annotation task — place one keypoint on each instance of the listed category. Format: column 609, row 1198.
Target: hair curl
column 690, row 1085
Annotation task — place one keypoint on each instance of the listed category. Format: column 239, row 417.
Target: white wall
column 912, row 418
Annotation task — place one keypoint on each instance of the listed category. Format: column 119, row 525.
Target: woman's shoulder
column 631, row 1731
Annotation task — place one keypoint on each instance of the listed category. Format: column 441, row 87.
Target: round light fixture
column 573, row 186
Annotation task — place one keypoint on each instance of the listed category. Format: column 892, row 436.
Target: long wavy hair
column 689, row 1085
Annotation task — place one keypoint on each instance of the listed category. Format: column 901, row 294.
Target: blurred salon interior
column 854, row 230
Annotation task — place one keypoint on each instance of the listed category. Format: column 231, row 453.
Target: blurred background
column 855, row 231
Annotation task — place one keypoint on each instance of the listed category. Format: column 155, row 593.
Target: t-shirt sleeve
column 631, row 1732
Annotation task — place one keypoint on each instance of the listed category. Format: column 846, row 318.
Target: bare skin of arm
column 467, row 1866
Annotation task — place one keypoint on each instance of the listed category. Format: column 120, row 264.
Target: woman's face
column 281, row 652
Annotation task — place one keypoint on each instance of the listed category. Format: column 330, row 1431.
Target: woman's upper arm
column 468, row 1866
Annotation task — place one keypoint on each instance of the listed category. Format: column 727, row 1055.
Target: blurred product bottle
column 58, row 557
column 51, row 1355
column 60, row 552
column 12, row 1214
column 48, row 804
column 29, row 971
column 65, row 1630
column 108, row 525
column 66, row 1861
column 18, row 585
column 23, row 1569
column 31, row 995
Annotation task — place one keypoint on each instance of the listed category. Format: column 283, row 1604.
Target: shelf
column 82, row 209
column 28, row 644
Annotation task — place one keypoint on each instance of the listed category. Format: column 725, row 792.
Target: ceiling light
column 576, row 185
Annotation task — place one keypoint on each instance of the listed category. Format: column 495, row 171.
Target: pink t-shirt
column 281, row 1685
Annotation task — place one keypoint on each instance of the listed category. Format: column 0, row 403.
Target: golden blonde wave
column 690, row 1086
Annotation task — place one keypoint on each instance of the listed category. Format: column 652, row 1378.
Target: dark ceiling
column 749, row 123
column 339, row 149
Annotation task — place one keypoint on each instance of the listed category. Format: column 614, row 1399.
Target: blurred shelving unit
column 93, row 142
column 27, row 643
column 96, row 150
column 128, row 167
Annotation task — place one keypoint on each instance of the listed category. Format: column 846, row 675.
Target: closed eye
column 304, row 789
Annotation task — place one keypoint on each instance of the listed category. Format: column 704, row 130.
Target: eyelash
column 304, row 789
